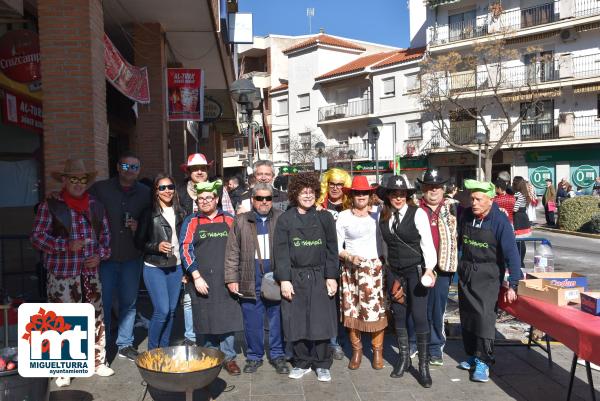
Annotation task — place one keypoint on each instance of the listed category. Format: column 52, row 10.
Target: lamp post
column 351, row 156
column 244, row 93
column 319, row 146
column 480, row 139
column 374, row 126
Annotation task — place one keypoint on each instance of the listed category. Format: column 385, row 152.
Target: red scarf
column 80, row 205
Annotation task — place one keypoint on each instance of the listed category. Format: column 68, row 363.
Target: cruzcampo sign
column 539, row 175
column 584, row 176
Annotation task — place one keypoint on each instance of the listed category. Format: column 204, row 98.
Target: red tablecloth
column 577, row 330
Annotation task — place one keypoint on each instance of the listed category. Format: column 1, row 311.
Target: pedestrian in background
column 549, row 203
column 307, row 266
column 362, row 288
column 596, row 187
column 157, row 236
column 505, row 202
column 521, row 223
column 125, row 200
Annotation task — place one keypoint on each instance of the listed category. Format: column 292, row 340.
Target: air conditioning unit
column 568, row 35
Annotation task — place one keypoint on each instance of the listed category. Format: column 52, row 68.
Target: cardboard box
column 544, row 291
column 590, row 302
column 562, row 279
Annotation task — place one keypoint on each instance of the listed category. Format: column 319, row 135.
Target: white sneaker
column 104, row 371
column 63, row 381
column 323, row 375
column 297, row 373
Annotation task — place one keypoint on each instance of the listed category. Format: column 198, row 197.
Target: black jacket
column 154, row 229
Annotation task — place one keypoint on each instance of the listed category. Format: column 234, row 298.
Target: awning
column 586, row 88
column 525, row 97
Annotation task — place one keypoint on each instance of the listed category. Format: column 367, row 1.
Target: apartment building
column 552, row 47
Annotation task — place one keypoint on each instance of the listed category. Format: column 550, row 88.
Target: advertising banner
column 20, row 56
column 128, row 79
column 21, row 112
column 185, row 94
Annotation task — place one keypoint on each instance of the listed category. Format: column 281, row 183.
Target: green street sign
column 539, row 175
column 584, row 176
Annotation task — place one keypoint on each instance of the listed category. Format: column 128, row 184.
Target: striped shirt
column 520, row 201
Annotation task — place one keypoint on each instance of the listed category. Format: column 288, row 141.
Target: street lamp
column 244, row 93
column 480, row 139
column 320, row 146
column 351, row 156
column 374, row 126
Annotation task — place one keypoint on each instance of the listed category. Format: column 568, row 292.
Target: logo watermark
column 56, row 340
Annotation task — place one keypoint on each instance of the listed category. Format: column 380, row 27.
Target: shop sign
column 21, row 112
column 128, row 79
column 561, row 155
column 539, row 175
column 584, row 176
column 384, row 165
column 185, row 94
column 212, row 109
column 20, row 55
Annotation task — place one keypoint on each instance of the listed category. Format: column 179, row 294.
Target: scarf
column 191, row 190
column 448, row 246
column 80, row 205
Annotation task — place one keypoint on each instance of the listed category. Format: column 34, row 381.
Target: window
column 389, row 86
column 462, row 25
column 463, row 126
column 304, row 140
column 414, row 129
column 304, row 102
column 284, row 143
column 282, row 107
column 538, row 120
column 598, row 107
column 238, row 144
column 413, row 83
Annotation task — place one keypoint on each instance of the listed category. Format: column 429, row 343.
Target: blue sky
column 379, row 21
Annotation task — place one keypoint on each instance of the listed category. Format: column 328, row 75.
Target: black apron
column 479, row 279
column 219, row 312
column 311, row 314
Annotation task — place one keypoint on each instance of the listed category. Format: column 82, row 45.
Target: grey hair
column 261, row 186
column 267, row 163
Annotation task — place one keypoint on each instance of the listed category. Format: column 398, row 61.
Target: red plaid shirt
column 506, row 202
column 58, row 259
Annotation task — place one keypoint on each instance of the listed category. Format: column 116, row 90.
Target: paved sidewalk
column 519, row 374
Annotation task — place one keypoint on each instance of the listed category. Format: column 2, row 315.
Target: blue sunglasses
column 132, row 167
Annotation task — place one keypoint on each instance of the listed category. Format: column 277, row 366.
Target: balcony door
column 540, row 67
column 462, row 25
column 538, row 121
column 463, row 126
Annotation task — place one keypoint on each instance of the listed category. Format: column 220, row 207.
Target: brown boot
column 356, row 349
column 377, row 344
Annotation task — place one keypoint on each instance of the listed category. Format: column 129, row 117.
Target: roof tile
column 324, row 39
column 401, row 56
column 357, row 65
column 279, row 88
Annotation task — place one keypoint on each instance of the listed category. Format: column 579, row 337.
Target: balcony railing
column 508, row 20
column 539, row 130
column 351, row 109
column 341, row 152
column 587, row 126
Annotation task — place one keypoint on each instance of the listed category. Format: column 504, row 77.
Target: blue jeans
column 188, row 317
column 224, row 342
column 124, row 279
column 254, row 329
column 163, row 285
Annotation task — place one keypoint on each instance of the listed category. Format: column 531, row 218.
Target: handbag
column 269, row 288
column 552, row 206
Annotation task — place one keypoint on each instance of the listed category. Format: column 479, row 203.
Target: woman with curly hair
column 305, row 253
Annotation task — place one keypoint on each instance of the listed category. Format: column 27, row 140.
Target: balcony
column 511, row 20
column 354, row 108
column 341, row 152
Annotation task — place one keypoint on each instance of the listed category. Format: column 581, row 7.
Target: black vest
column 404, row 247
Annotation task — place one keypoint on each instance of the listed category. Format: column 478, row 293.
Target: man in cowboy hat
column 488, row 247
column 72, row 232
column 442, row 221
column 125, row 199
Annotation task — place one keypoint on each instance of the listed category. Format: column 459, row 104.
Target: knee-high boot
column 377, row 345
column 403, row 362
column 354, row 335
column 423, row 348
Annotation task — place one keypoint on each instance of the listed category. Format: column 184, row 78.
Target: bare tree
column 463, row 94
column 303, row 152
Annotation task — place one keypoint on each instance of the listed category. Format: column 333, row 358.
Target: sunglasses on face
column 132, row 167
column 162, row 188
column 78, row 180
column 361, row 193
column 263, row 198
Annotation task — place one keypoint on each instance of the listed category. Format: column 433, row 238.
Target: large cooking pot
column 186, row 381
column 14, row 387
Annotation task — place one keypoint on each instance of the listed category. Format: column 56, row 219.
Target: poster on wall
column 128, row 79
column 185, row 94
column 19, row 111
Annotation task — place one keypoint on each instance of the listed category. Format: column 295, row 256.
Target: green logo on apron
column 203, row 234
column 474, row 243
column 299, row 242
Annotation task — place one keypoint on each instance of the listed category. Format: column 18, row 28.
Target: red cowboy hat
column 359, row 183
column 195, row 159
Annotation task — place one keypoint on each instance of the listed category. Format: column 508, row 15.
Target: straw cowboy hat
column 195, row 159
column 359, row 183
column 74, row 167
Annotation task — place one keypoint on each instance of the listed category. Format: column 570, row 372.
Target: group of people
column 554, row 197
column 332, row 251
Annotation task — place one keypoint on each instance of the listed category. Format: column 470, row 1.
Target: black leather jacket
column 153, row 229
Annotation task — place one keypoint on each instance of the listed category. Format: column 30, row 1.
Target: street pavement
column 519, row 374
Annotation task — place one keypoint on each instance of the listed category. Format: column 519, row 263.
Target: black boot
column 423, row 348
column 403, row 362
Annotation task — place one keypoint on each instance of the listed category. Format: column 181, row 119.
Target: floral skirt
column 363, row 296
